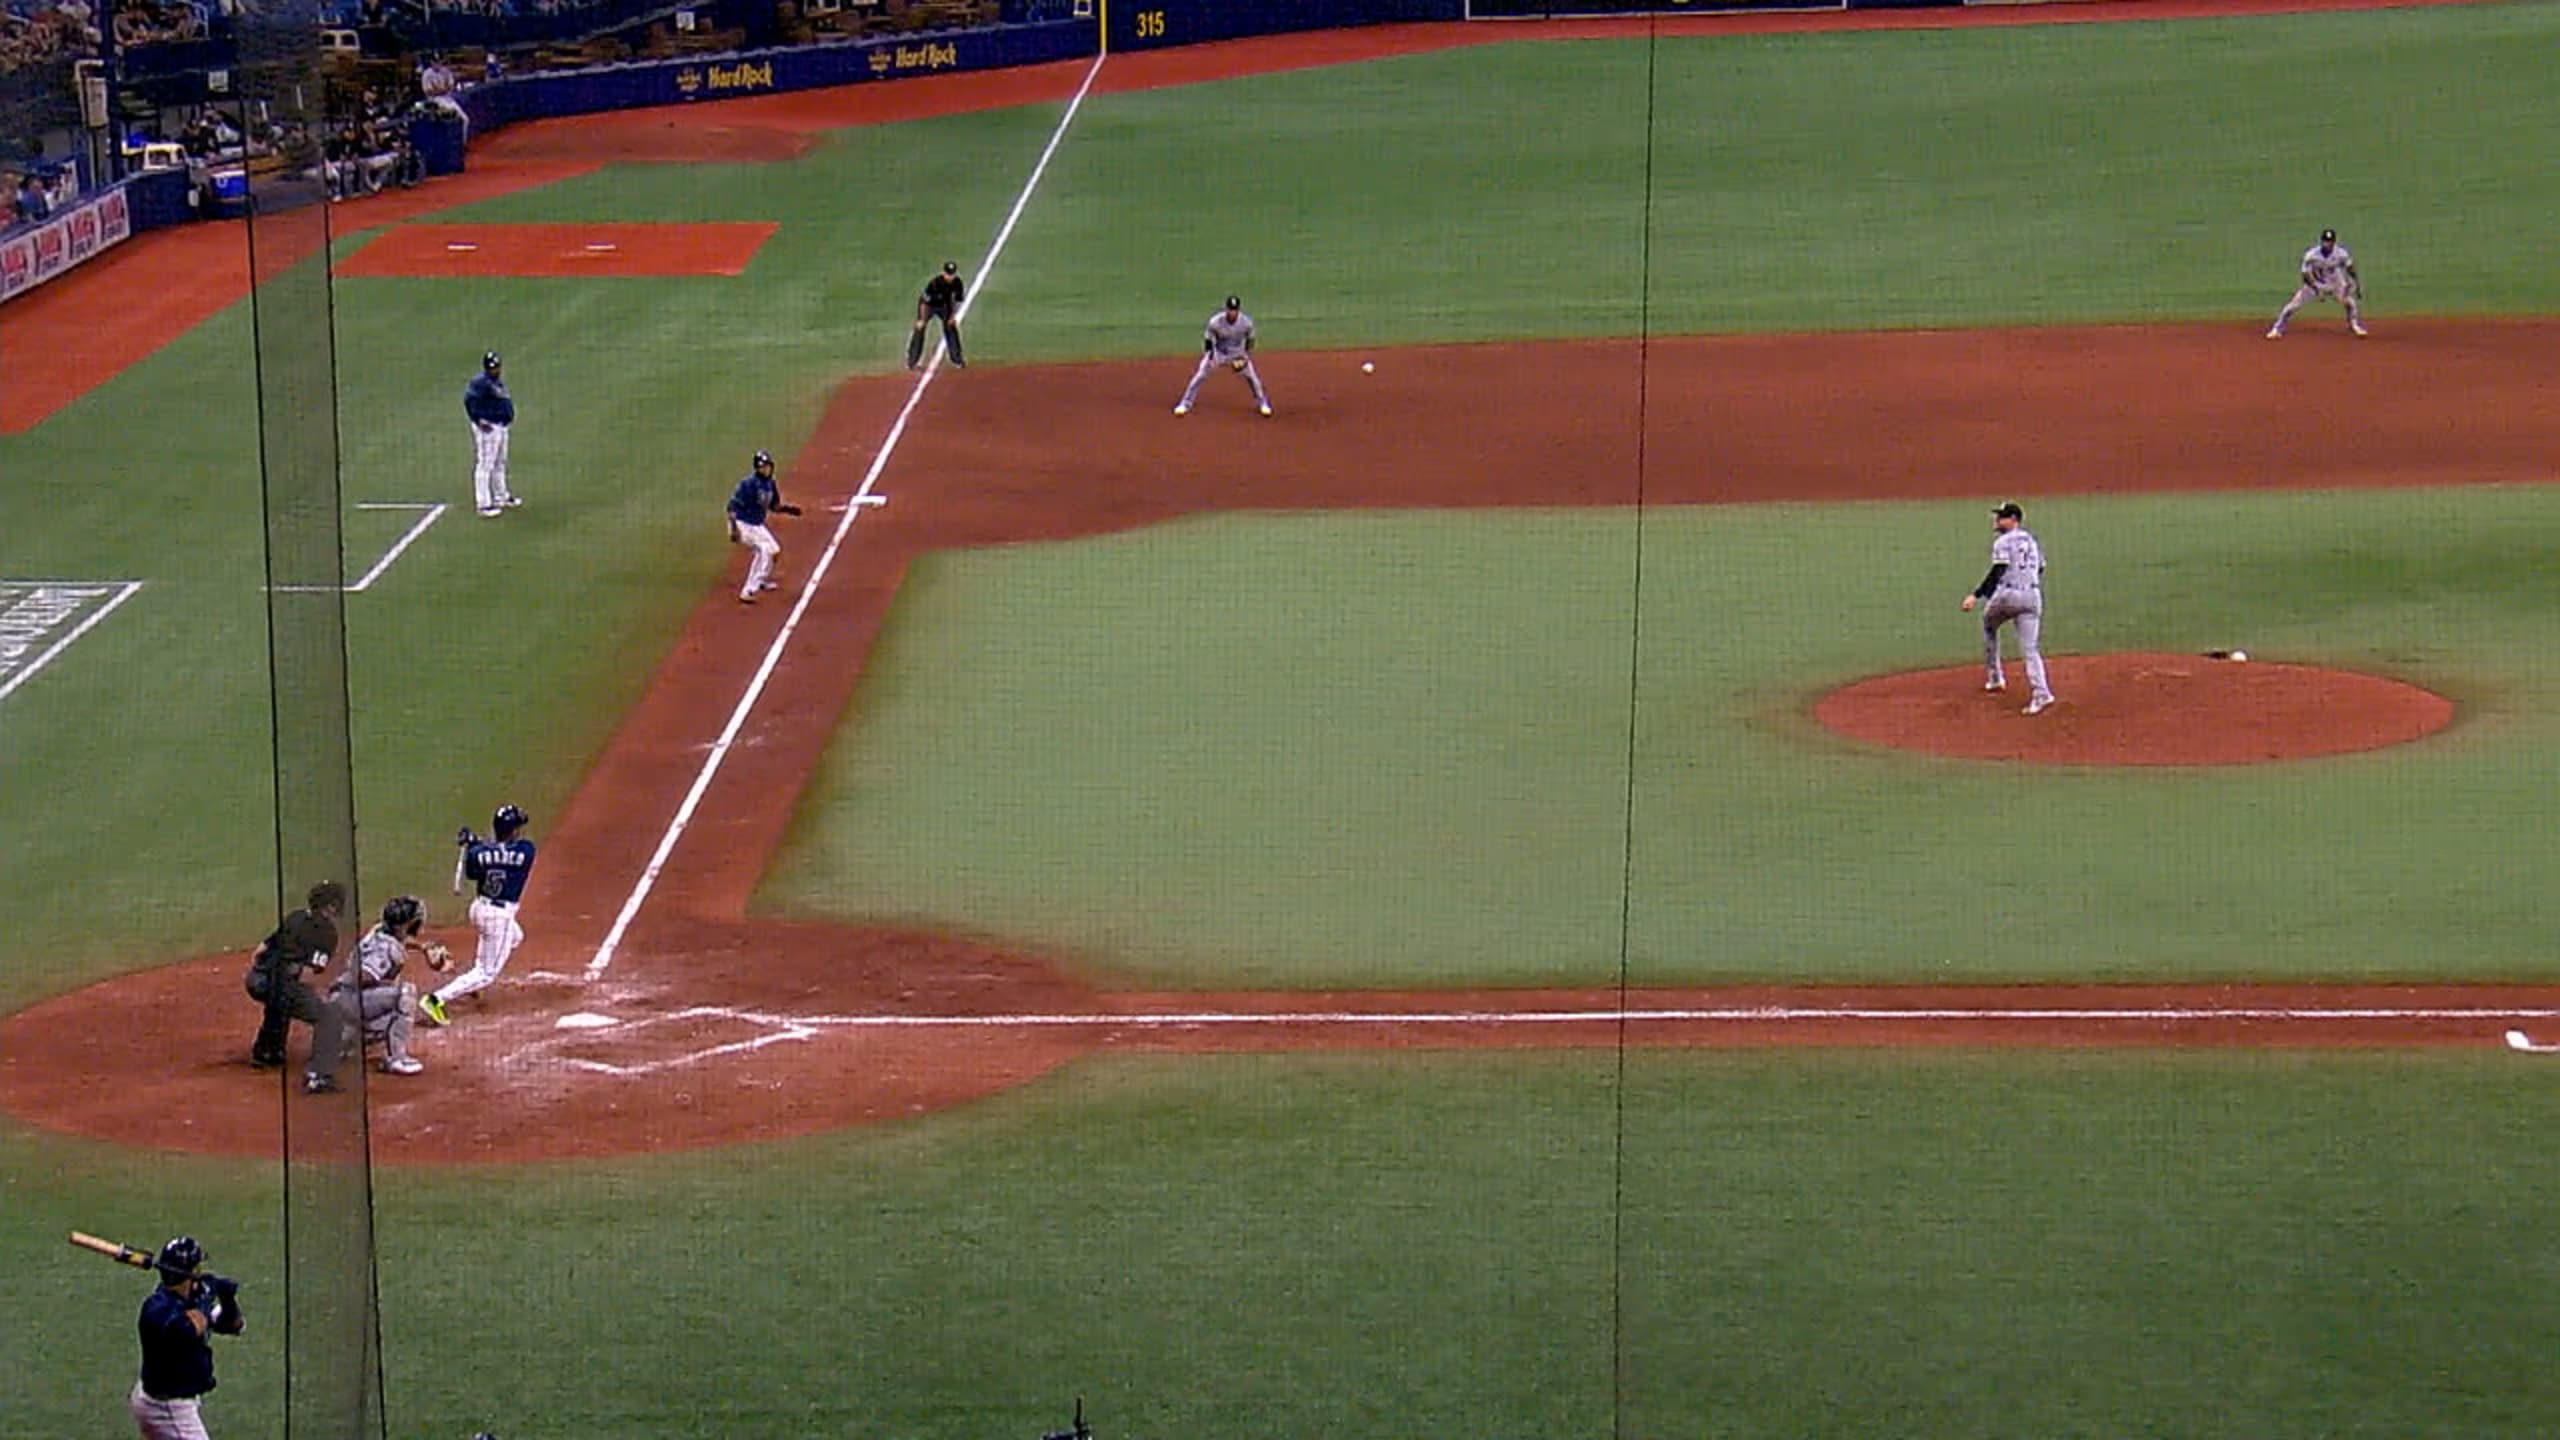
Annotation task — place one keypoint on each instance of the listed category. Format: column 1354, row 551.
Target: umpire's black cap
column 950, row 267
column 2009, row 511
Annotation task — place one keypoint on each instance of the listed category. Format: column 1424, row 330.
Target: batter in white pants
column 760, row 565
column 495, row 920
column 166, row 1419
column 2024, row 608
column 489, row 468
column 1210, row 362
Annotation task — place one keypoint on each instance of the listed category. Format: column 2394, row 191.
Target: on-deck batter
column 2013, row 591
column 495, row 870
column 2328, row 273
column 1226, row 340
column 493, row 416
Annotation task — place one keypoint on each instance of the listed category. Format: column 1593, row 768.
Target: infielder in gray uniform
column 2328, row 273
column 1226, row 340
column 2013, row 591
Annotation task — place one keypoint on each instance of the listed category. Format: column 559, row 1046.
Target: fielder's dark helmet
column 403, row 914
column 507, row 821
column 490, row 362
column 179, row 1259
column 764, row 459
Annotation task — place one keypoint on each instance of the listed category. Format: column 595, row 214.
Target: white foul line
column 130, row 588
column 863, row 499
column 779, row 1028
column 434, row 513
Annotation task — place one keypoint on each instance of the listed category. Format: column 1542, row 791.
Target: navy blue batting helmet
column 180, row 1259
column 489, row 361
column 508, row 821
column 764, row 459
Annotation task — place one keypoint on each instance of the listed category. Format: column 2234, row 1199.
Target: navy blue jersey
column 485, row 399
column 497, row 868
column 177, row 1361
column 754, row 496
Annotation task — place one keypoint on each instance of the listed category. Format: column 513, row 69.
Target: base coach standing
column 940, row 301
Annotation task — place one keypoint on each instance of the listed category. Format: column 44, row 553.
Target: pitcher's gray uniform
column 2014, row 592
column 2328, row 273
column 1226, row 340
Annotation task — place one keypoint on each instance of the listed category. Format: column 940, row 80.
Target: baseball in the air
column 1366, row 368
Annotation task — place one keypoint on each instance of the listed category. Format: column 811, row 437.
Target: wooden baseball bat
column 126, row 1254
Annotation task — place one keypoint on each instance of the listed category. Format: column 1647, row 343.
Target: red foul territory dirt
column 727, row 1027
column 2139, row 710
column 561, row 250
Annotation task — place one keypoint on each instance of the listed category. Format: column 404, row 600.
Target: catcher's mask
column 403, row 914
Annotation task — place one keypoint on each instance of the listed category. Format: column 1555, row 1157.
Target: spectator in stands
column 436, row 83
column 31, row 200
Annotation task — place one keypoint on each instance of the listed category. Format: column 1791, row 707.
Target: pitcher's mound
column 2139, row 709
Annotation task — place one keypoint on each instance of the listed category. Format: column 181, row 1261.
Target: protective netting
column 333, row 1362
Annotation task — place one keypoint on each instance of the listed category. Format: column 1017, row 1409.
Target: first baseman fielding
column 2013, row 591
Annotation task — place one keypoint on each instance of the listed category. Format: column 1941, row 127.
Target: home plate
column 584, row 1020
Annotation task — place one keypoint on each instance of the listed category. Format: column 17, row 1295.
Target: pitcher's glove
column 439, row 959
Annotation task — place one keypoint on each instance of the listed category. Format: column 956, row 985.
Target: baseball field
column 1491, row 901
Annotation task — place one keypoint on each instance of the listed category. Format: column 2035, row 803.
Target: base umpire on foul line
column 940, row 301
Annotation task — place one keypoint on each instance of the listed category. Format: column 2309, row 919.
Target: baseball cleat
column 2359, row 329
column 1266, row 412
column 402, row 1066
column 2040, row 704
column 319, row 1085
column 512, row 501
column 1181, row 409
column 769, row 585
column 258, row 1061
column 1994, row 685
column 2276, row 334
column 489, row 512
column 434, row 1010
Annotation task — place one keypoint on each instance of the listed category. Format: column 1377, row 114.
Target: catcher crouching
column 378, row 1004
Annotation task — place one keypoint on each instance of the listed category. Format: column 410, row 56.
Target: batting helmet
column 489, row 362
column 764, row 459
column 403, row 914
column 180, row 1259
column 507, row 821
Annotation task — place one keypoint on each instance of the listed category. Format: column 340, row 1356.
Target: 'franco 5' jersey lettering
column 2024, row 558
column 496, row 869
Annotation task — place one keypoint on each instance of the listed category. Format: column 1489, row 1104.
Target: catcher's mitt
column 439, row 959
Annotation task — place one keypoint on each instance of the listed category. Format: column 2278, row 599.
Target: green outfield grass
column 1806, row 1243
column 1392, row 750
column 1950, row 1245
